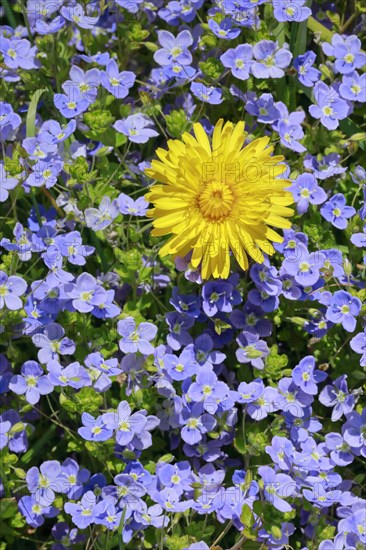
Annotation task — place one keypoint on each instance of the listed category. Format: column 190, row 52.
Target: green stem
column 24, row 12
column 349, row 21
column 120, row 529
column 99, row 249
column 36, row 208
column 221, row 535
column 55, row 57
column 4, row 479
column 317, row 27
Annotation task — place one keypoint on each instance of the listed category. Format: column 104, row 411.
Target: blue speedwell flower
column 337, row 212
column 136, row 338
column 329, row 108
column 344, row 308
column 270, row 59
column 307, row 74
column 306, row 191
column 32, row 382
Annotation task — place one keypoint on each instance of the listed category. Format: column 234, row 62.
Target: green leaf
column 167, row 458
column 239, row 444
column 9, row 14
column 247, row 533
column 8, row 508
column 316, row 27
column 360, row 136
column 350, row 129
column 258, row 507
column 151, row 46
column 276, row 532
column 247, row 517
column 301, row 35
column 32, row 112
column 39, row 444
column 86, row 400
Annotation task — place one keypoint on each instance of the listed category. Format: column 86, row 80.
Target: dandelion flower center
column 216, row 201
column 219, row 196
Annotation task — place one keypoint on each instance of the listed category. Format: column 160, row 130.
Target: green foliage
column 79, row 172
column 177, row 123
column 257, row 441
column 175, row 542
column 212, row 67
column 275, row 364
column 86, row 400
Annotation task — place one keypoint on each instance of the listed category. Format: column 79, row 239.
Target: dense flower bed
column 182, row 281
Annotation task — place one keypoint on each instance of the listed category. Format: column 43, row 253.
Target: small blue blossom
column 307, row 74
column 251, row 350
column 341, row 452
column 35, row 512
column 132, row 207
column 85, row 293
column 249, row 392
column 44, row 482
column 304, row 267
column 85, row 82
column 344, row 308
column 84, row 511
column 239, row 60
column 337, row 212
column 353, row 87
column 329, row 108
column 18, row 53
column 74, row 375
column 95, row 429
column 44, row 174
column 178, row 323
column 32, row 382
column 276, row 486
column 338, row 397
column 347, row 53
column 100, row 218
column 73, row 478
column 264, row 404
column 325, row 167
column 125, row 423
column 52, row 132
column 138, row 128
column 270, row 60
column 71, row 104
column 136, row 338
column 116, row 82
column 52, row 342
column 6, row 183
column 358, row 344
column 305, row 377
column 281, row 451
column 208, row 94
column 291, row 10
column 208, row 390
column 9, row 121
column 182, row 367
column 196, row 424
column 224, row 29
column 320, row 497
column 11, row 288
column 174, row 49
column 263, row 108
column 76, row 14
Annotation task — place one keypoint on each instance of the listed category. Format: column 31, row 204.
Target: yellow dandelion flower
column 218, row 197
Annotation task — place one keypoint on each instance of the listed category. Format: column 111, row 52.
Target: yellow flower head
column 219, row 196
